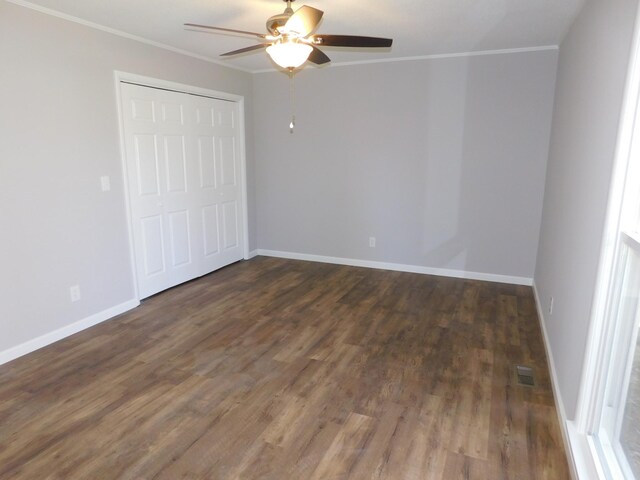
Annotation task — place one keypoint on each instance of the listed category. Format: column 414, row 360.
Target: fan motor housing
column 277, row 21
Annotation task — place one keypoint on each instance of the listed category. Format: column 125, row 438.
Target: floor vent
column 525, row 375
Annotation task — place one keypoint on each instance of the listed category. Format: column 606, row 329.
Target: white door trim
column 119, row 78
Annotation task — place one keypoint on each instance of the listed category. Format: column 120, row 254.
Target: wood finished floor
column 279, row 369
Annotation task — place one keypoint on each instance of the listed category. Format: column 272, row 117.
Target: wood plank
column 276, row 369
column 346, row 449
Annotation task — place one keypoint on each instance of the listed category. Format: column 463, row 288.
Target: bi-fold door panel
column 175, row 163
column 219, row 180
column 211, row 230
column 152, row 245
column 207, row 162
column 146, row 165
column 230, row 224
column 183, row 164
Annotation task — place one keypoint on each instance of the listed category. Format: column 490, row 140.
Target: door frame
column 126, row 77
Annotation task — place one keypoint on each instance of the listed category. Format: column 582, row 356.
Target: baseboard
column 66, row 331
column 251, row 254
column 562, row 416
column 399, row 267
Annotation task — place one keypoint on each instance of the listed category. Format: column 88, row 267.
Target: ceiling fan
column 291, row 42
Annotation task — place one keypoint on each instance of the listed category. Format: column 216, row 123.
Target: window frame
column 620, row 232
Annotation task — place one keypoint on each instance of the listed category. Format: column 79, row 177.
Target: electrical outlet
column 550, row 305
column 74, row 293
column 105, row 183
column 372, row 242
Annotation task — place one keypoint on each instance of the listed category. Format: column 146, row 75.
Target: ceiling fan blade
column 245, row 50
column 303, row 21
column 318, row 57
column 350, row 41
column 230, row 30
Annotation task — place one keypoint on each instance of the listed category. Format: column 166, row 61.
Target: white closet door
column 218, row 189
column 183, row 167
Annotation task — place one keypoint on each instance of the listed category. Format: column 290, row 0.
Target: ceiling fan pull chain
column 292, row 98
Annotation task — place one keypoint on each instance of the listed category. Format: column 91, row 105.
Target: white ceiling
column 418, row 27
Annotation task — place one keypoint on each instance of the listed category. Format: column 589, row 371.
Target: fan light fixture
column 290, row 41
column 289, row 53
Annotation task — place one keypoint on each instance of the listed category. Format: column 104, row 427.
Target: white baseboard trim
column 562, row 416
column 251, row 254
column 399, row 267
column 66, row 331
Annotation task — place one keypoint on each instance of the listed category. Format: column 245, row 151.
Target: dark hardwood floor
column 279, row 369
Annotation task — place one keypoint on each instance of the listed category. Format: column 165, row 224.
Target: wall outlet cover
column 74, row 293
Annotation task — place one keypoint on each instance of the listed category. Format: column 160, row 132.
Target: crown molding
column 504, row 51
column 113, row 31
column 119, row 33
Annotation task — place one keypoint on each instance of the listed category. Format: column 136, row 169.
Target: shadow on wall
column 484, row 169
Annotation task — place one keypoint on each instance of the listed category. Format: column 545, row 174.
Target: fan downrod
column 277, row 21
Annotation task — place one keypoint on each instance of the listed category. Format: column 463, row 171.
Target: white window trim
column 590, row 462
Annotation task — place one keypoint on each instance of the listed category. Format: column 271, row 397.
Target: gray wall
column 442, row 160
column 591, row 75
column 58, row 135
